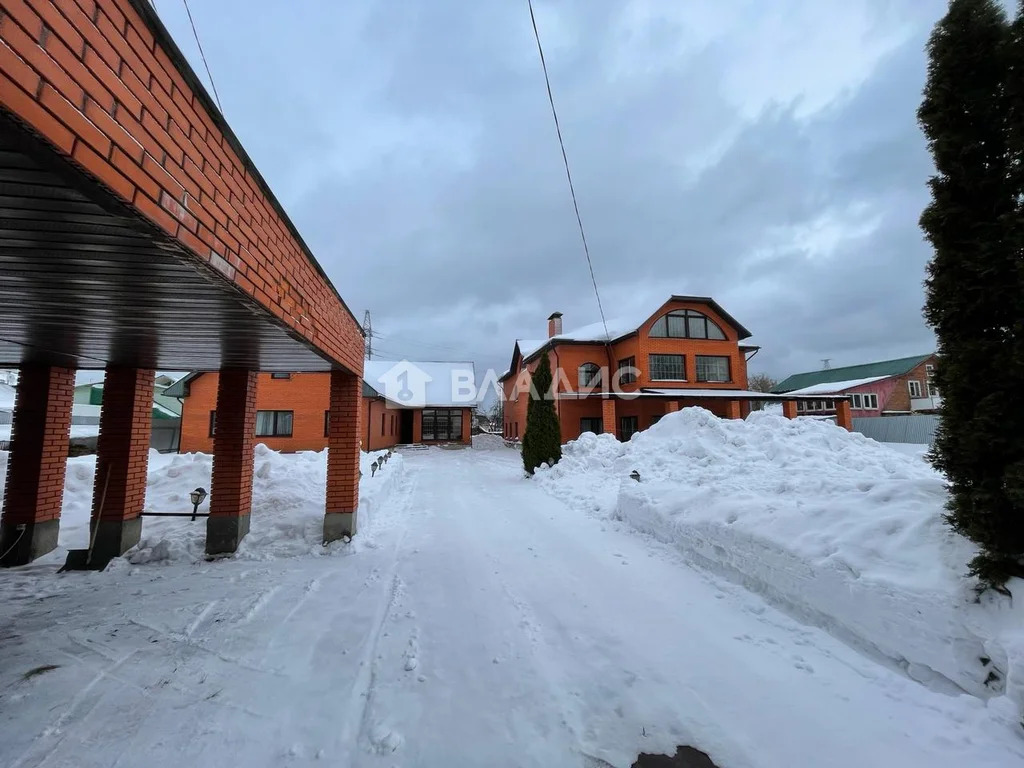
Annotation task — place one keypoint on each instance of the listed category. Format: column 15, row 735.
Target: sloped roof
column 618, row 327
column 439, row 379
column 834, row 387
column 879, row 370
column 439, row 390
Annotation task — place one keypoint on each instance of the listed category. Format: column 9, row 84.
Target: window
column 711, row 368
column 273, row 423
column 327, row 423
column 383, row 421
column 830, row 405
column 933, row 391
column 443, row 424
column 870, row 402
column 856, row 401
column 655, row 419
column 667, row 367
column 628, row 426
column 280, row 375
column 589, row 375
column 686, row 324
column 213, row 423
column 929, row 370
column 591, row 425
column 801, row 405
column 915, row 387
column 626, row 375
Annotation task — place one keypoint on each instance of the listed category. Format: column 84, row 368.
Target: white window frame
column 855, row 401
column 870, row 401
column 929, row 370
column 914, row 384
column 933, row 391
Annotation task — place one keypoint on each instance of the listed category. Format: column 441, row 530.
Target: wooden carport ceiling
column 86, row 283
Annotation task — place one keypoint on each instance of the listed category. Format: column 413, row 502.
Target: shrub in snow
column 971, row 117
column 542, row 441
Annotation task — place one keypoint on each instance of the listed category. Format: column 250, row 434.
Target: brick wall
column 123, row 445
column 100, row 81
column 899, row 399
column 380, row 426
column 343, row 456
column 37, row 464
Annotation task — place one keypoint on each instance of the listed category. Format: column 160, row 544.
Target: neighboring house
column 886, row 388
column 292, row 408
column 689, row 352
column 86, row 407
column 88, row 397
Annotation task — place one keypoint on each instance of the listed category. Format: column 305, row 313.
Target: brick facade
column 566, row 357
column 899, row 397
column 307, row 397
column 343, row 455
column 37, row 463
column 233, row 443
column 101, row 81
column 122, row 456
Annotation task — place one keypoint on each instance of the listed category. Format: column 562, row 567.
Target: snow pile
column 289, row 494
column 839, row 529
column 487, row 441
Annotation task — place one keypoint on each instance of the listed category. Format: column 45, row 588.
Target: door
column 405, row 426
column 628, row 426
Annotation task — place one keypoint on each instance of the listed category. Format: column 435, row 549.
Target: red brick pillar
column 844, row 418
column 231, row 486
column 732, row 409
column 608, row 416
column 122, row 456
column 36, row 465
column 671, row 406
column 789, row 409
column 343, row 456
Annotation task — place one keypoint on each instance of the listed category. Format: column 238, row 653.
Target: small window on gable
column 686, row 324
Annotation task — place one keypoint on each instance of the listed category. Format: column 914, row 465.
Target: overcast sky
column 763, row 153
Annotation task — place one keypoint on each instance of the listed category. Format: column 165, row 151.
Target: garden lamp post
column 197, row 497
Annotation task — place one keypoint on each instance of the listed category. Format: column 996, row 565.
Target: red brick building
column 139, row 235
column 292, row 409
column 689, row 352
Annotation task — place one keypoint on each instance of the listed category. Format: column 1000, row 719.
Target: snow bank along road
column 475, row 621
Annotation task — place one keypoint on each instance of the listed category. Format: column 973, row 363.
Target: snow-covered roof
column 445, row 384
column 835, row 387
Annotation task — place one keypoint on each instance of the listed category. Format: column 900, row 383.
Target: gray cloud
column 766, row 154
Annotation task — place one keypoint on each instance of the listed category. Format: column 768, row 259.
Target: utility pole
column 368, row 333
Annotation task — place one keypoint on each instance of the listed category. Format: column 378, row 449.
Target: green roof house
column 885, row 388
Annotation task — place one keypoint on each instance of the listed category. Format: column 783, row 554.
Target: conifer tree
column 542, row 440
column 975, row 283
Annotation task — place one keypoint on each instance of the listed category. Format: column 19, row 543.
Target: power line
column 565, row 160
column 203, row 56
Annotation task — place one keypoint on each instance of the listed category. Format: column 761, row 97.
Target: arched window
column 589, row 375
column 686, row 324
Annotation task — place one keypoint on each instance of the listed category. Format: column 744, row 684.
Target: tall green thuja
column 975, row 284
column 542, row 440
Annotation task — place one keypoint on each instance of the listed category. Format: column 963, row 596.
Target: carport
column 137, row 234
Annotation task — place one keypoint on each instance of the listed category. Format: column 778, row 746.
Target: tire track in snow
column 359, row 708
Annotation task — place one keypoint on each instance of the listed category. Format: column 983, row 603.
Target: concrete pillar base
column 224, row 533
column 115, row 537
column 35, row 541
column 339, row 524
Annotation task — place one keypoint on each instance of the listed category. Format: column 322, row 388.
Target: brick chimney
column 554, row 324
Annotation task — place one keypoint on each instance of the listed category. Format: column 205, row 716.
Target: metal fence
column 919, row 429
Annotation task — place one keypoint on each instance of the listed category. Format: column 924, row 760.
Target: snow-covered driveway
column 475, row 622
